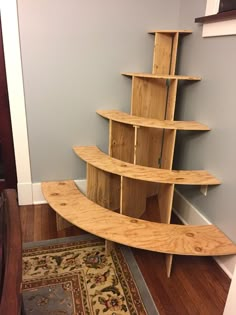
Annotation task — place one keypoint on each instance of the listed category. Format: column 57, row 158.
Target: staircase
column 139, row 165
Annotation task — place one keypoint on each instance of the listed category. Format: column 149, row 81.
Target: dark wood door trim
column 6, row 139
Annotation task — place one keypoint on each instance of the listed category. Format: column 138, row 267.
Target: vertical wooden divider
column 103, row 188
column 133, row 201
column 165, row 200
column 164, row 62
column 162, row 53
column 122, row 142
column 174, row 53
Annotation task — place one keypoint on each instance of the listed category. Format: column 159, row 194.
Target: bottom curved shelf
column 65, row 198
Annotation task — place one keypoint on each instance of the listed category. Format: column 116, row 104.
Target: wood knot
column 61, row 183
column 198, row 249
column 63, row 204
column 134, row 221
column 189, row 234
column 54, row 194
column 123, row 165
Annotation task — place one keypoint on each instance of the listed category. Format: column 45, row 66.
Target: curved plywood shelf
column 93, row 156
column 162, row 76
column 73, row 206
column 125, row 118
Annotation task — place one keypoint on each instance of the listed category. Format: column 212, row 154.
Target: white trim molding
column 220, row 28
column 188, row 214
column 11, row 43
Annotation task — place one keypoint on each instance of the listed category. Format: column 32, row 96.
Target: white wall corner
column 38, row 197
column 25, row 195
column 188, row 214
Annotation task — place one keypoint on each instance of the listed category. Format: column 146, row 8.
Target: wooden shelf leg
column 109, row 246
column 165, row 200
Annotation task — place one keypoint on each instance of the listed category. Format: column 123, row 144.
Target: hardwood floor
column 197, row 285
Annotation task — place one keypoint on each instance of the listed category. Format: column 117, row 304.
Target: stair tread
column 65, row 198
column 161, row 76
column 100, row 160
column 125, row 118
column 171, row 31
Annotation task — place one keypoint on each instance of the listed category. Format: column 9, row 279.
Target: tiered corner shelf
column 138, row 165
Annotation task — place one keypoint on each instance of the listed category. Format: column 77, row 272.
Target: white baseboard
column 188, row 214
column 25, row 195
column 38, row 197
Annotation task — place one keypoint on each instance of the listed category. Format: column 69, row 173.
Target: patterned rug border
column 133, row 266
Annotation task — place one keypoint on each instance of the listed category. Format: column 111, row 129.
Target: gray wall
column 72, row 54
column 212, row 101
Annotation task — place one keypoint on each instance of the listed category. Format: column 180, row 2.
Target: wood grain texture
column 109, row 246
column 122, row 117
column 169, row 262
column 61, row 223
column 171, row 100
column 149, row 98
column 165, row 200
column 162, row 53
column 133, row 197
column 148, row 149
column 175, row 42
column 95, row 157
column 168, row 149
column 122, row 142
column 65, row 198
column 103, row 188
column 163, row 76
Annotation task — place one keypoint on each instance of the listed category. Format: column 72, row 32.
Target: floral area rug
column 73, row 276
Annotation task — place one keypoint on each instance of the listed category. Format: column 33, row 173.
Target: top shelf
column 164, row 76
column 171, row 31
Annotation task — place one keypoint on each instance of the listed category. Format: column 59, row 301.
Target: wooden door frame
column 11, row 44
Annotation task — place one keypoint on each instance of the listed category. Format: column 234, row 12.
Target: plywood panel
column 103, row 188
column 171, row 101
column 92, row 155
column 149, row 98
column 174, row 53
column 65, row 198
column 133, row 202
column 122, row 142
column 168, row 149
column 122, row 117
column 165, row 199
column 162, row 76
column 148, row 150
column 169, row 261
column 162, row 53
column 61, row 223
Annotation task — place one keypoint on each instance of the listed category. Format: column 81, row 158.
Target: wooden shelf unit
column 138, row 165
